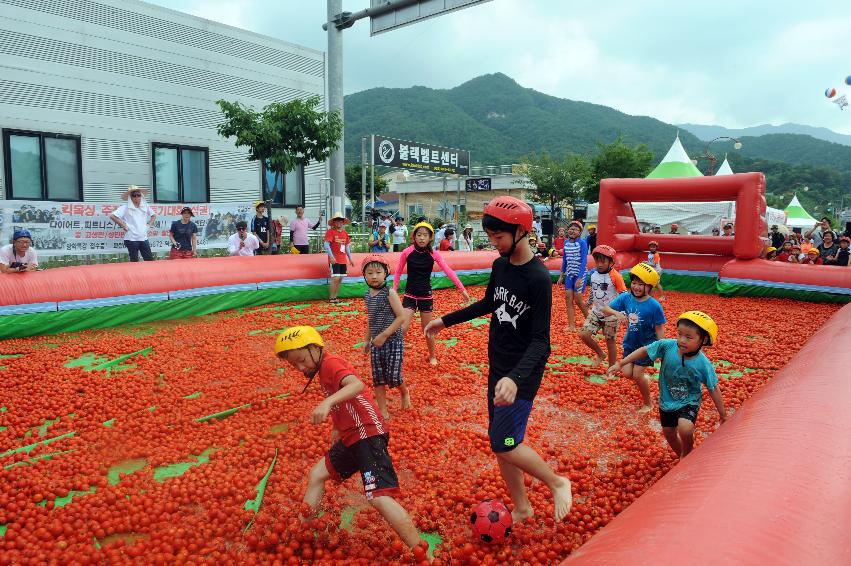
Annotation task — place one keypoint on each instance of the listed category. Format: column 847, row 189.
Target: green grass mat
column 254, row 504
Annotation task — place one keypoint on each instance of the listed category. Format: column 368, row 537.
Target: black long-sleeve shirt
column 519, row 299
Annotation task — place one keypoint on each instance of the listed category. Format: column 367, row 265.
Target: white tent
column 725, row 169
column 698, row 217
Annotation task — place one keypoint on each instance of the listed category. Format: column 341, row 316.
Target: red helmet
column 511, row 211
column 845, row 239
column 653, row 243
column 375, row 258
column 605, row 250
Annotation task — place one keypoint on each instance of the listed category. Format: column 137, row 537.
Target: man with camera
column 19, row 256
column 817, row 232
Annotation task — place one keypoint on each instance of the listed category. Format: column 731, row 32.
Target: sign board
column 410, row 13
column 391, row 152
column 84, row 228
column 478, row 184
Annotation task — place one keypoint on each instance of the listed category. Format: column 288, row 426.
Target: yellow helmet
column 422, row 224
column 533, row 237
column 296, row 338
column 646, row 273
column 704, row 321
column 770, row 249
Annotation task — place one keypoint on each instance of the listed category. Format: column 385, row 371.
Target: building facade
column 447, row 198
column 99, row 95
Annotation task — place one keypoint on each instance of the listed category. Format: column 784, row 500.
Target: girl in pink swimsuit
column 420, row 259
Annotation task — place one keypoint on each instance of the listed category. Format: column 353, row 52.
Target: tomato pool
column 188, row 442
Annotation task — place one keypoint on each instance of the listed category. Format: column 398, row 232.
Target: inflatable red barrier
column 770, row 486
column 811, row 277
column 618, row 227
column 119, row 279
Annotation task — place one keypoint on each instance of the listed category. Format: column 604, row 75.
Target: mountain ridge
column 708, row 132
column 500, row 122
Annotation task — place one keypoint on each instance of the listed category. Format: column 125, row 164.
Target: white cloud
column 736, row 64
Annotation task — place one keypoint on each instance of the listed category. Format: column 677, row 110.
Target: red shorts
column 179, row 254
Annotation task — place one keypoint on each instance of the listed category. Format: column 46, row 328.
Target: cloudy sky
column 732, row 63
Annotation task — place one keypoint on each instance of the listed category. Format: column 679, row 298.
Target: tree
column 283, row 135
column 353, row 182
column 617, row 160
column 554, row 182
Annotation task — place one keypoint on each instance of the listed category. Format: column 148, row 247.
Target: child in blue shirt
column 684, row 368
column 645, row 321
column 573, row 265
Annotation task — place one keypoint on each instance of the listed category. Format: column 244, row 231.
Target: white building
column 98, row 95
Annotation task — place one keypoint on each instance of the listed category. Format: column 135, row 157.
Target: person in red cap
column 383, row 340
column 655, row 260
column 519, row 299
column 606, row 284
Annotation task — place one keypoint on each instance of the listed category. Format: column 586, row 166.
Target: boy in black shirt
column 519, row 298
column 260, row 228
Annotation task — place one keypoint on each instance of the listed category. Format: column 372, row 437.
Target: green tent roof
column 796, row 216
column 676, row 163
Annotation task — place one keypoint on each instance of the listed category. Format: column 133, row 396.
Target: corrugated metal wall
column 124, row 74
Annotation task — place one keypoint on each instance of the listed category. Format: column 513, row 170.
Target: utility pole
column 458, row 208
column 335, row 101
column 363, row 179
column 445, row 202
column 372, row 172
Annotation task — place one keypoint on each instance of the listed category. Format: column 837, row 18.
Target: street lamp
column 713, row 161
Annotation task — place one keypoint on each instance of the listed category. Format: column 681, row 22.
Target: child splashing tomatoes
column 645, row 321
column 606, row 285
column 519, row 300
column 684, row 368
column 420, row 259
column 573, row 266
column 383, row 339
column 359, row 437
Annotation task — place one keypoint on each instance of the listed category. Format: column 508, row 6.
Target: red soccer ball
column 491, row 521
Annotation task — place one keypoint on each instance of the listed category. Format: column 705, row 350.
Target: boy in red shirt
column 359, row 435
column 338, row 250
column 558, row 243
column 447, row 241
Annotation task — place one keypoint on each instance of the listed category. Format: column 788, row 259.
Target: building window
column 181, row 173
column 42, row 166
column 415, row 210
column 283, row 190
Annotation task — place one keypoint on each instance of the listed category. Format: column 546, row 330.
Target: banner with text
column 391, row 152
column 84, row 228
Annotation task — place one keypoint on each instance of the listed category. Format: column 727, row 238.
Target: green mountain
column 500, row 121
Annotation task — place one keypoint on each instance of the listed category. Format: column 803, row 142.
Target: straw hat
column 131, row 189
column 339, row 216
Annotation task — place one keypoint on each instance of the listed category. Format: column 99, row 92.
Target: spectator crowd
column 820, row 245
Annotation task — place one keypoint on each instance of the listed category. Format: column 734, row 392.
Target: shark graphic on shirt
column 503, row 316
